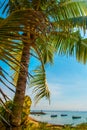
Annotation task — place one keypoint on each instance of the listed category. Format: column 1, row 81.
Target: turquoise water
column 61, row 120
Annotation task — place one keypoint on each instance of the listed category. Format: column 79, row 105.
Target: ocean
column 62, row 117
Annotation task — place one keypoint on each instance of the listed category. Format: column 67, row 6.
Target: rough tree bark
column 20, row 89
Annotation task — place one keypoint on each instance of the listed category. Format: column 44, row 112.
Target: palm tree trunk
column 21, row 87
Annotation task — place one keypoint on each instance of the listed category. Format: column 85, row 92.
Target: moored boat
column 63, row 114
column 53, row 115
column 76, row 117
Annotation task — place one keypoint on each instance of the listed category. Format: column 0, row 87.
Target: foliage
column 44, row 126
column 53, row 27
column 26, row 108
column 40, row 84
column 6, row 111
column 45, row 28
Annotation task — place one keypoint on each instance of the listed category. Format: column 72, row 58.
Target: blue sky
column 67, row 80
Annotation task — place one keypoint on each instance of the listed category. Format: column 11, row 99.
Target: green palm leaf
column 40, row 84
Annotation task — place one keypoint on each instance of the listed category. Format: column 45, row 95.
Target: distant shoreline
column 39, row 112
column 71, row 118
column 59, row 110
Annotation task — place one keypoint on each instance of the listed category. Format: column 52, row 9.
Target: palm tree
column 38, row 29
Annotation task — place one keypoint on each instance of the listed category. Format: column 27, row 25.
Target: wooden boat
column 53, row 115
column 76, row 117
column 63, row 114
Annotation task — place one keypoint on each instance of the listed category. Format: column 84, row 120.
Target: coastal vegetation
column 39, row 30
column 31, row 124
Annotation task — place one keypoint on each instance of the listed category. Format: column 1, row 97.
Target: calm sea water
column 61, row 120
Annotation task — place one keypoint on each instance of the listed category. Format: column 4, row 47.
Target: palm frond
column 40, row 85
column 45, row 50
column 70, row 44
column 67, row 9
column 4, row 79
column 81, row 50
column 14, row 25
column 51, row 25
